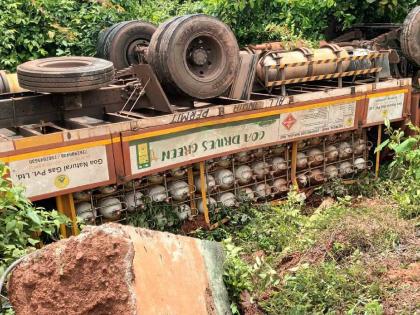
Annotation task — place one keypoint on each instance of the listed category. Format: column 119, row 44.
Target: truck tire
column 196, row 55
column 4, row 84
column 410, row 36
column 103, row 34
column 65, row 74
column 154, row 46
column 120, row 42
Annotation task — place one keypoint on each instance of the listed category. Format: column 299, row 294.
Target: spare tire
column 196, row 55
column 120, row 42
column 65, row 74
column 410, row 36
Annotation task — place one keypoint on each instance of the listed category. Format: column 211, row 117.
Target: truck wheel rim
column 204, row 58
column 135, row 50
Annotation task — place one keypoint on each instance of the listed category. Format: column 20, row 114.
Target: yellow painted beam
column 192, row 191
column 29, row 142
column 378, row 153
column 65, row 205
column 387, row 93
column 204, row 193
column 294, row 164
column 74, row 147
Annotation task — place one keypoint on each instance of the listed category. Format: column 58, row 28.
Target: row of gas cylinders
column 314, row 156
column 311, row 152
column 179, row 191
column 336, row 160
column 261, row 178
column 111, row 208
column 342, row 169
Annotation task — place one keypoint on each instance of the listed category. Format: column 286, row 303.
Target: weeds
column 156, row 216
column 238, row 274
column 405, row 168
column 320, row 268
column 271, row 230
column 326, row 288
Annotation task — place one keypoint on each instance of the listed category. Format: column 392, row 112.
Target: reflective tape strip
column 323, row 77
column 317, row 62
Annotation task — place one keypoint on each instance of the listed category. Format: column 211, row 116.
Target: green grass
column 327, row 263
column 325, row 288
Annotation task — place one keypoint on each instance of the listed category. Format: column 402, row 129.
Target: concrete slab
column 153, row 272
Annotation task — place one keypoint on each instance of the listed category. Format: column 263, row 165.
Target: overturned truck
column 179, row 117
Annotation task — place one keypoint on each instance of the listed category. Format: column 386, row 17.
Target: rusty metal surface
column 155, row 95
column 267, row 46
column 242, row 86
column 303, row 63
column 29, row 108
column 323, row 77
column 415, row 109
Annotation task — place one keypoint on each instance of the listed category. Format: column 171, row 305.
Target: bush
column 40, row 28
column 403, row 177
column 329, row 262
column 35, row 29
column 273, row 229
column 22, row 224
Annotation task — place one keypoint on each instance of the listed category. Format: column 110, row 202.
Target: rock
column 117, row 269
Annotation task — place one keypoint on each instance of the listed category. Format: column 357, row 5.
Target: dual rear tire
column 122, row 43
column 194, row 55
column 410, row 36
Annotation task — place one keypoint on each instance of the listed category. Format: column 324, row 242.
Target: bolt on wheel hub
column 199, row 56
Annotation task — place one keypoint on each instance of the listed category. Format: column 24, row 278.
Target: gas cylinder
column 300, row 55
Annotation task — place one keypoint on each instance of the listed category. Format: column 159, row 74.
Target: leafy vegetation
column 326, row 288
column 155, row 216
column 340, row 257
column 405, row 169
column 321, row 267
column 40, row 28
column 23, row 227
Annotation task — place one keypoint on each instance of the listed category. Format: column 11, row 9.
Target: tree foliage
column 39, row 28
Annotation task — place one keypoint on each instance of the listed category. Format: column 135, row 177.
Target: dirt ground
column 190, row 226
